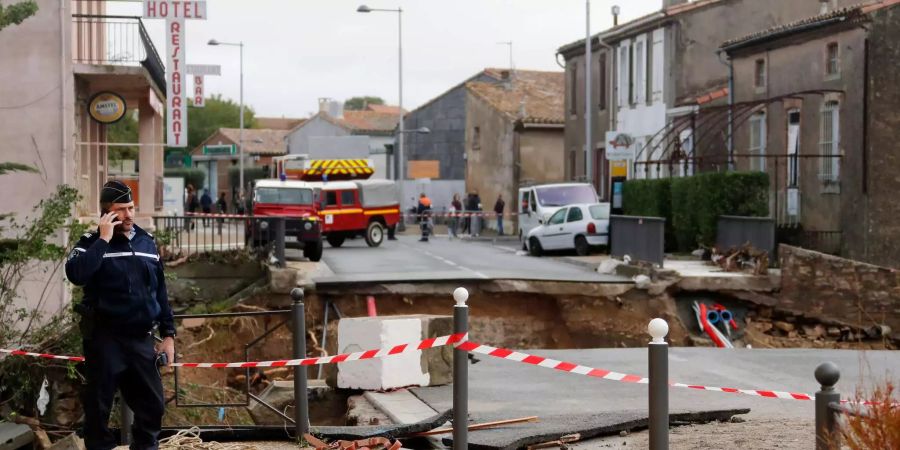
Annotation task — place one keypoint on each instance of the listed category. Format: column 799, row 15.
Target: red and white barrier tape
column 461, row 342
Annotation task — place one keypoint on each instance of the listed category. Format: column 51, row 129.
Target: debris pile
column 745, row 258
column 770, row 330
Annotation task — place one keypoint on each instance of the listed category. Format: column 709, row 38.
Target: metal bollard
column 301, row 402
column 460, row 373
column 827, row 433
column 659, row 384
column 280, row 231
column 126, row 420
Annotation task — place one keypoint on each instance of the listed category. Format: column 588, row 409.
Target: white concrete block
column 368, row 333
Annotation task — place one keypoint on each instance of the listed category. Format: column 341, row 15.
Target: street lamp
column 241, row 129
column 401, row 175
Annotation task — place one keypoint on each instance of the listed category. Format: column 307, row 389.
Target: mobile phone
column 162, row 359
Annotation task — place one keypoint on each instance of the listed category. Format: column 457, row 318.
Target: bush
column 194, row 177
column 692, row 205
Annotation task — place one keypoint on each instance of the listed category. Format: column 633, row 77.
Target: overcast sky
column 296, row 51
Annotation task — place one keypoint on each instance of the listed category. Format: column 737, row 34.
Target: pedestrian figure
column 241, row 207
column 499, row 206
column 221, row 208
column 206, row 203
column 191, row 205
column 477, row 214
column 424, row 212
column 455, row 215
column 124, row 300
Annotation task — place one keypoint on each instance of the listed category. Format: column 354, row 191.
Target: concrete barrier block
column 366, row 333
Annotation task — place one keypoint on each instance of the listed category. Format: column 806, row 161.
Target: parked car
column 537, row 203
column 579, row 227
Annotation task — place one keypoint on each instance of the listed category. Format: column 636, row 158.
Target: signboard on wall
column 223, row 149
column 173, row 196
column 199, row 71
column 107, row 107
column 619, row 146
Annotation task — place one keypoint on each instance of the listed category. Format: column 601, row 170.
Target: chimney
column 323, row 104
column 670, row 3
column 336, row 109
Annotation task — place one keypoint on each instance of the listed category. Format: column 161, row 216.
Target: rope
column 190, row 439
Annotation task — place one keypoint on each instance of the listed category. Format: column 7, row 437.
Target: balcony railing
column 115, row 40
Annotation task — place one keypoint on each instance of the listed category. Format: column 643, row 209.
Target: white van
column 537, row 203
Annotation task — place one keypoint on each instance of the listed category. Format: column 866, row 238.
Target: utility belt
column 91, row 319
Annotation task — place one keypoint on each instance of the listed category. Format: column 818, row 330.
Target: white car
column 577, row 227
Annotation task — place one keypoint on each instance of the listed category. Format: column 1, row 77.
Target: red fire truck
column 333, row 199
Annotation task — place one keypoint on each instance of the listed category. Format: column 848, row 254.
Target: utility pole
column 588, row 131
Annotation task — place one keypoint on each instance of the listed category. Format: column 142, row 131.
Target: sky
column 297, row 51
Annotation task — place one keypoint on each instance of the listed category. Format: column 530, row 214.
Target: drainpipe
column 64, row 142
column 730, row 65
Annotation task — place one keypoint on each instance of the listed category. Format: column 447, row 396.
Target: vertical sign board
column 175, row 12
column 198, row 71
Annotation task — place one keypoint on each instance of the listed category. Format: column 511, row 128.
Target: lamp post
column 241, row 129
column 588, row 100
column 401, row 173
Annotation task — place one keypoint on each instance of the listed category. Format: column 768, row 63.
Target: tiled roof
column 838, row 15
column 386, row 109
column 533, row 97
column 278, row 123
column 259, row 141
column 371, row 121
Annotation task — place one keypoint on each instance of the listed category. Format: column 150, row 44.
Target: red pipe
column 370, row 306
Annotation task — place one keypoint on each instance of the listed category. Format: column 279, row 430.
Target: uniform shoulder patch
column 88, row 234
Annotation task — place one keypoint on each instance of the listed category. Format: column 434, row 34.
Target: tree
column 124, row 131
column 16, row 13
column 360, row 103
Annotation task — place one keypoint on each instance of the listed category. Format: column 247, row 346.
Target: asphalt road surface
column 442, row 259
column 500, row 389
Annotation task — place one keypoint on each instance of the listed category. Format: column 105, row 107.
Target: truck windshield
column 566, row 195
column 284, row 196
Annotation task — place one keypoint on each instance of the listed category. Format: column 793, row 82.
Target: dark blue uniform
column 125, row 289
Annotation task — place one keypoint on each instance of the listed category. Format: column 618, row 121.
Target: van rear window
column 599, row 212
column 284, row 196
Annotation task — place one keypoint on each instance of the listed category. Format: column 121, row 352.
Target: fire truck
column 331, row 199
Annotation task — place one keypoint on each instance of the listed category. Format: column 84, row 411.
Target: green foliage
column 251, row 174
column 360, row 103
column 124, row 131
column 8, row 167
column 218, row 113
column 17, row 13
column 692, row 205
column 194, row 177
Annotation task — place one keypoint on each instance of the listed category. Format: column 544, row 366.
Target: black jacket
column 123, row 282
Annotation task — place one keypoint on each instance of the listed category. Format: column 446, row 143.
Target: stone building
column 647, row 75
column 816, row 108
column 514, row 135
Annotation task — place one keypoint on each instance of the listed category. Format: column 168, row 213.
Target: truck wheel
column 581, row 246
column 374, row 234
column 313, row 250
column 335, row 241
column 535, row 247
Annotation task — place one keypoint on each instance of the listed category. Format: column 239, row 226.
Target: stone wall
column 839, row 290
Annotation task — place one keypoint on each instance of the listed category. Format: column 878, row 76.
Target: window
column 759, row 78
column 758, row 142
column 631, row 75
column 602, row 85
column 533, row 201
column 573, row 90
column 830, row 142
column 566, row 195
column 573, row 164
column 284, row 196
column 599, row 212
column 639, row 75
column 623, row 76
column 347, row 198
column 557, row 218
column 476, row 138
column 575, row 214
column 832, row 66
column 793, row 146
column 331, row 198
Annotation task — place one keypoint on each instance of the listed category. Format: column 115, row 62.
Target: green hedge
column 692, row 205
column 251, row 174
column 194, row 177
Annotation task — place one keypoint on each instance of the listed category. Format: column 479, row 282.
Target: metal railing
column 182, row 236
column 735, row 231
column 115, row 40
column 824, row 241
column 641, row 238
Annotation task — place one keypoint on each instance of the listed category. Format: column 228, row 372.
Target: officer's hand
column 108, row 224
column 168, row 346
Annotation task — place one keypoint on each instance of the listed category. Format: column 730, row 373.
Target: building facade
column 647, row 75
column 514, row 136
column 820, row 95
column 54, row 65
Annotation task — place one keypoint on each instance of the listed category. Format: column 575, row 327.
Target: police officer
column 124, row 300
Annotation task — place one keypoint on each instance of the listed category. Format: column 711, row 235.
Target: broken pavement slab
column 551, row 428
